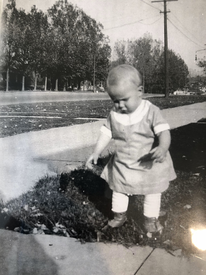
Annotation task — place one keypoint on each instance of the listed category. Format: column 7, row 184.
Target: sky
column 131, row 19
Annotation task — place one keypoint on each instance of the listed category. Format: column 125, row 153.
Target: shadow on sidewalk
column 22, row 255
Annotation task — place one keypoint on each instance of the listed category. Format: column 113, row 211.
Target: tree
column 22, row 46
column 9, row 18
column 202, row 64
column 102, row 62
column 61, row 44
column 121, row 51
column 100, row 52
column 178, row 71
column 37, row 38
column 144, row 54
column 147, row 55
column 77, row 38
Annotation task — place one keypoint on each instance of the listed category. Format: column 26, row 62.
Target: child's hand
column 92, row 160
column 158, row 154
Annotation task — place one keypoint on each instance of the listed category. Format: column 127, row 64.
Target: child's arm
column 159, row 152
column 102, row 142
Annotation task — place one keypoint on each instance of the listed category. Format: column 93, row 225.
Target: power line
column 139, row 21
column 152, row 22
column 131, row 23
column 184, row 27
column 150, row 5
column 121, row 17
column 184, row 33
column 127, row 24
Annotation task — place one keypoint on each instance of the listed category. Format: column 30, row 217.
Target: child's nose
column 121, row 104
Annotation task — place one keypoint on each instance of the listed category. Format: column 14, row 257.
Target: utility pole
column 165, row 45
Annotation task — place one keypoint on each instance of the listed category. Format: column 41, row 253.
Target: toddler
column 141, row 163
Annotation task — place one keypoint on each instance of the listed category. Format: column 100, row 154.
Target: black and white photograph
column 102, row 137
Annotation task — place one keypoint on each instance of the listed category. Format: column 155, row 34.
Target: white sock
column 152, row 204
column 119, row 202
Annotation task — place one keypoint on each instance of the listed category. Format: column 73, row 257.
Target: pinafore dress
column 130, row 170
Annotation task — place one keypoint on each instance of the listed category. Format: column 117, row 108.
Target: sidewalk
column 27, row 158
column 52, row 255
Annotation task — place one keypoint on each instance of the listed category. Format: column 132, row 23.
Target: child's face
column 126, row 97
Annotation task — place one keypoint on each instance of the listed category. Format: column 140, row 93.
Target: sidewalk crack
column 144, row 261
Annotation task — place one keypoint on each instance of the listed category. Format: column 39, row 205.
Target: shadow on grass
column 188, row 148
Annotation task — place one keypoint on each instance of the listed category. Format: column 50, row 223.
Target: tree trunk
column 79, row 84
column 45, row 84
column 143, row 81
column 35, row 81
column 23, row 83
column 94, row 84
column 7, row 80
column 56, row 85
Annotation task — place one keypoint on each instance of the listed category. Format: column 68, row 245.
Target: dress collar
column 134, row 117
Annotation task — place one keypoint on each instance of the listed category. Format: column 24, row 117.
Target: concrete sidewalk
column 27, row 158
column 45, row 255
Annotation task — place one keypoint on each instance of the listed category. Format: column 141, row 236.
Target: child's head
column 124, row 86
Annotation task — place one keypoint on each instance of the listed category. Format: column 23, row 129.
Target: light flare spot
column 199, row 238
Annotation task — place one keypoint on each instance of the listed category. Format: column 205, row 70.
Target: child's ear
column 141, row 89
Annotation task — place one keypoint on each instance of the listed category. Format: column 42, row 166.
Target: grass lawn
column 75, row 204
column 20, row 118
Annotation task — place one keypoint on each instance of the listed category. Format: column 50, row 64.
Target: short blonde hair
column 123, row 73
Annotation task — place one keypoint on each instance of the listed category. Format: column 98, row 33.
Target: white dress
column 130, row 170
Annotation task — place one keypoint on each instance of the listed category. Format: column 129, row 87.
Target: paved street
column 32, row 97
column 41, row 96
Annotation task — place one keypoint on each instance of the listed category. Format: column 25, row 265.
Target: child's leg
column 119, row 207
column 119, row 202
column 152, row 204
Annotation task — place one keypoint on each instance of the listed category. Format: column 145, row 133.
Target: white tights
column 151, row 204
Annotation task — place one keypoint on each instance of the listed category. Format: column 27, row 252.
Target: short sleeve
column 159, row 124
column 106, row 128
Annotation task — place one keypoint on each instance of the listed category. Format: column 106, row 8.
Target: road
column 33, row 97
column 7, row 98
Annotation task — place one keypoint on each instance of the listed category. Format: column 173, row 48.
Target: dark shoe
column 152, row 225
column 119, row 220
